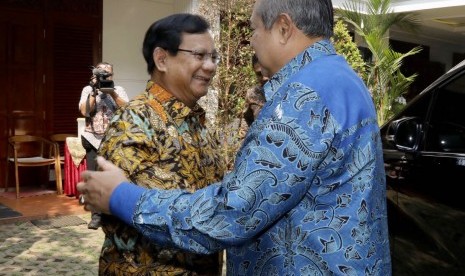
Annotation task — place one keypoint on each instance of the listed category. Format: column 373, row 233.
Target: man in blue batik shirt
column 307, row 194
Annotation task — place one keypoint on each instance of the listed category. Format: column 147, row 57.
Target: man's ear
column 285, row 27
column 159, row 57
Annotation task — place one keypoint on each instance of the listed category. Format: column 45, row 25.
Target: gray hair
column 313, row 17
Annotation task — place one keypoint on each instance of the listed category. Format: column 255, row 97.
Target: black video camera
column 102, row 82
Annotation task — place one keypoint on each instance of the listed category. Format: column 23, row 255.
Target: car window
column 446, row 131
column 418, row 107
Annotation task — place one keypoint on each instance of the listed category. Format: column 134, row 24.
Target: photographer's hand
column 93, row 80
column 118, row 100
column 93, row 83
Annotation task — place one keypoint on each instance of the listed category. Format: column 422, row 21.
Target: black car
column 424, row 155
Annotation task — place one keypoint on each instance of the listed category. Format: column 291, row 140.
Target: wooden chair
column 32, row 151
column 60, row 139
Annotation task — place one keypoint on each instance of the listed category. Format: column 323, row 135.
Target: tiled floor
column 28, row 250
column 42, row 206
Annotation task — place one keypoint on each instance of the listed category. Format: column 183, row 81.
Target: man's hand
column 97, row 186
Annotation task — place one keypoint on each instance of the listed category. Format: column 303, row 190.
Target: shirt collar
column 172, row 106
column 316, row 50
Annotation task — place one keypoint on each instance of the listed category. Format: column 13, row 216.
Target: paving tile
column 27, row 250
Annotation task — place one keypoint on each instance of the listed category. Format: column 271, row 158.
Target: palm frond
column 372, row 20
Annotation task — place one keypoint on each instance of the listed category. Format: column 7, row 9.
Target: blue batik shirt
column 307, row 194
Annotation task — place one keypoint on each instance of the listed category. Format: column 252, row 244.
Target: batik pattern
column 307, row 194
column 158, row 142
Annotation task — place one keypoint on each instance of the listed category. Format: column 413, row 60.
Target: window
column 446, row 131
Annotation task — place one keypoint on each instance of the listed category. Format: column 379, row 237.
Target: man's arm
column 98, row 186
column 119, row 96
column 262, row 188
column 87, row 92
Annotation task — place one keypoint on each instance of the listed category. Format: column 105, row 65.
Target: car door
column 424, row 153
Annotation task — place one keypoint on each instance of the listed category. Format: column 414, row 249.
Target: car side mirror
column 405, row 133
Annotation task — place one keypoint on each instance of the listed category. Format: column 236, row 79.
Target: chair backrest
column 33, row 151
column 30, row 145
column 60, row 139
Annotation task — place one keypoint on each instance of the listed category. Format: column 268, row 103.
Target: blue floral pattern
column 307, row 194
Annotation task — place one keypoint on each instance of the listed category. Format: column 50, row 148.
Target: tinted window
column 446, row 132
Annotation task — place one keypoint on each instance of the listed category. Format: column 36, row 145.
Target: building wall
column 124, row 25
column 440, row 50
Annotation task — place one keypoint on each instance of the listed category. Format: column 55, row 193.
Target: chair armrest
column 53, row 145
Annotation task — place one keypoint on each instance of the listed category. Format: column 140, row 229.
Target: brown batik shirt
column 158, row 142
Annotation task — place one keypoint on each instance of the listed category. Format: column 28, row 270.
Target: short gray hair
column 313, row 17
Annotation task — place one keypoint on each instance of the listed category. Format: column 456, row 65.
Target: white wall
column 440, row 50
column 124, row 25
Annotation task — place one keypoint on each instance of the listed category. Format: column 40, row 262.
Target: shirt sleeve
column 129, row 144
column 128, row 194
column 84, row 94
column 273, row 172
column 121, row 93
